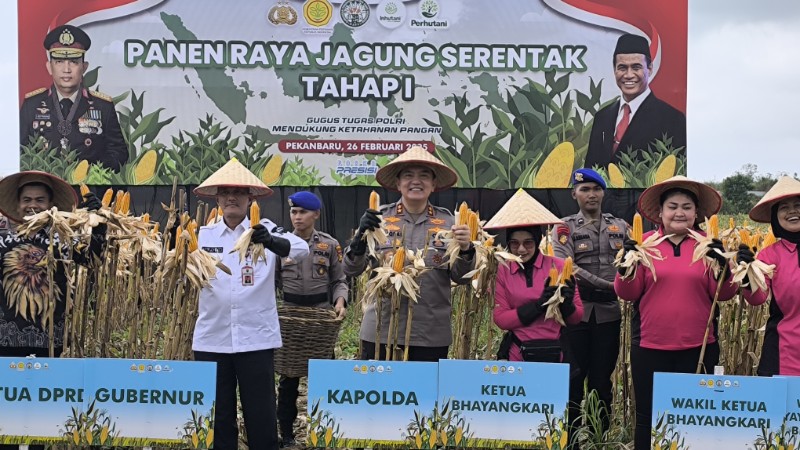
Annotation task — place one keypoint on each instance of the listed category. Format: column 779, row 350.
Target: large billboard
column 509, row 93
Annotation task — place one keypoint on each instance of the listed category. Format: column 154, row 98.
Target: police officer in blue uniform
column 592, row 239
column 68, row 115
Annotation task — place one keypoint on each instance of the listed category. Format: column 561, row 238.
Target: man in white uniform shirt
column 237, row 326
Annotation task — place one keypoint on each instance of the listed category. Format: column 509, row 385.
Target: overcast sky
column 743, row 87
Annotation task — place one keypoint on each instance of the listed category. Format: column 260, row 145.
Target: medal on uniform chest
column 64, row 126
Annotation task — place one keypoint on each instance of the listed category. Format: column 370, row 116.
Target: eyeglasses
column 529, row 244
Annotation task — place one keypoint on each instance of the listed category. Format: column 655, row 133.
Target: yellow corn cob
column 418, row 440
column 374, row 201
column 731, row 223
column 489, row 242
column 76, row 437
column 615, row 177
column 155, row 230
column 126, row 203
column 272, row 170
column 212, row 216
column 195, row 439
column 255, row 214
column 562, row 443
column 556, row 170
column 673, row 446
column 745, row 237
column 81, row 171
column 473, row 223
column 210, row 438
column 713, row 227
column 84, row 190
column 666, row 169
column 104, row 434
column 548, row 440
column 146, row 217
column 636, row 233
column 566, row 272
column 399, row 260
column 89, row 436
column 459, row 435
column 178, row 238
column 463, row 212
column 314, row 439
column 553, row 276
column 145, row 169
column 107, row 197
column 549, row 248
column 432, row 440
column 328, row 436
column 769, row 239
column 117, row 199
column 191, row 227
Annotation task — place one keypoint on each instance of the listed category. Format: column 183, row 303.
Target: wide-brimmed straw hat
column 786, row 187
column 708, row 198
column 64, row 196
column 232, row 174
column 521, row 210
column 416, row 156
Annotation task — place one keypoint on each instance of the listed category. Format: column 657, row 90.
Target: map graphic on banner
column 323, row 92
column 107, row 402
column 730, row 412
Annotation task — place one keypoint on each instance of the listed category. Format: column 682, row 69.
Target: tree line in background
column 742, row 190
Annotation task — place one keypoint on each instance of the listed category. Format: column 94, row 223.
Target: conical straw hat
column 64, row 196
column 416, row 156
column 232, row 174
column 521, row 210
column 785, row 187
column 708, row 197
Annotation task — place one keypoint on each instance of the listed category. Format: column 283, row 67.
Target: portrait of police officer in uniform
column 68, row 115
column 592, row 238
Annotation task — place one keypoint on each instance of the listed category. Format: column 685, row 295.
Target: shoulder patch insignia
column 36, row 92
column 101, row 96
column 563, row 239
column 339, row 252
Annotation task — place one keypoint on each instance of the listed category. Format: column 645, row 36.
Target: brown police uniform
column 593, row 343
column 430, row 325
column 316, row 281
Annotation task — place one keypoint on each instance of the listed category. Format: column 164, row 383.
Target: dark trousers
column 288, row 391
column 254, row 372
column 644, row 363
column 415, row 353
column 593, row 351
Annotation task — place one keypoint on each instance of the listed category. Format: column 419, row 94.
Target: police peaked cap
column 67, row 42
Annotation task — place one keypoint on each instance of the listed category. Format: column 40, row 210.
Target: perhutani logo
column 391, row 13
column 354, row 13
column 429, row 10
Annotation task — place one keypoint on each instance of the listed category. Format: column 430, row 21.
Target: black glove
column 90, row 202
column 568, row 292
column 627, row 246
column 745, row 254
column 369, row 221
column 278, row 245
column 529, row 312
column 713, row 252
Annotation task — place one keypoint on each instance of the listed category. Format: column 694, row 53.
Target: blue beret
column 305, row 200
column 587, row 176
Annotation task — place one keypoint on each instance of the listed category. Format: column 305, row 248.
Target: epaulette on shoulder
column 101, row 96
column 442, row 209
column 36, row 92
column 326, row 235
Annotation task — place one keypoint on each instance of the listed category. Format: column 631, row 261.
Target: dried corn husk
column 244, row 246
column 644, row 254
column 559, row 280
column 702, row 247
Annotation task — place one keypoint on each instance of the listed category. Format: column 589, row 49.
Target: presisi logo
column 354, row 13
column 318, row 13
column 349, row 168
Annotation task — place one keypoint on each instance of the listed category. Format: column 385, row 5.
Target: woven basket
column 307, row 333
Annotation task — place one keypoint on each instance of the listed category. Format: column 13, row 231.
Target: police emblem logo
column 66, row 38
column 322, row 246
column 282, row 14
column 562, row 239
column 437, row 258
column 578, row 176
column 613, row 228
column 354, row 13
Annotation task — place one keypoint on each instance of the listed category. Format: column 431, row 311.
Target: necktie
column 622, row 126
column 66, row 105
